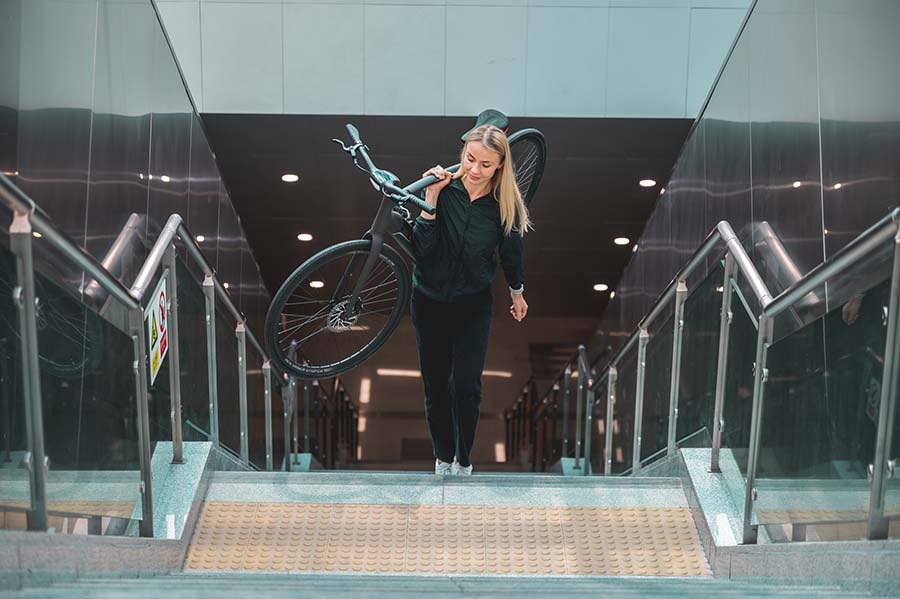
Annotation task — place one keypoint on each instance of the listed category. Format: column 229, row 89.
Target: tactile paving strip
column 446, row 539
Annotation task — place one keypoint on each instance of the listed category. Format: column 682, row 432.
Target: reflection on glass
column 820, row 415
column 657, row 382
column 623, row 412
column 227, row 388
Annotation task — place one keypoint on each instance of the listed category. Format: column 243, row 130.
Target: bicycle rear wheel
column 529, row 155
column 312, row 332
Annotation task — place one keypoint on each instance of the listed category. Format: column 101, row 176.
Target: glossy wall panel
column 96, row 125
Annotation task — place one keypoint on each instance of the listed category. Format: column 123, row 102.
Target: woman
column 479, row 210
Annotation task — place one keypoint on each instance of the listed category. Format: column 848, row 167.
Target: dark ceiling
column 589, row 195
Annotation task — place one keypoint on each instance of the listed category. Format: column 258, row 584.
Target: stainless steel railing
column 29, row 218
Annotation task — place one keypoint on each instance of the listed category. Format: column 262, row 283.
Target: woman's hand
column 519, row 308
column 434, row 190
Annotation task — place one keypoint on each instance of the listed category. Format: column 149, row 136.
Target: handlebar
column 403, row 195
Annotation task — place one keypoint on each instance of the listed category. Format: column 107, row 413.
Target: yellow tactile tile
column 443, row 539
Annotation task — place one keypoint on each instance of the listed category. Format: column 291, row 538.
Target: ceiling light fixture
column 601, row 287
column 634, row 248
column 416, row 374
column 612, row 294
column 662, row 191
column 838, row 185
column 647, row 183
column 365, row 389
column 226, row 285
column 304, row 237
column 201, row 238
column 316, row 284
column 36, row 234
column 621, row 241
column 290, row 178
column 165, row 178
column 796, row 184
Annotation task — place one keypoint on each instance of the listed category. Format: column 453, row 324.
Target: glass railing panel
column 700, row 352
column 820, row 410
column 193, row 356
column 15, row 489
column 657, row 385
column 892, row 485
column 278, row 440
column 598, row 428
column 228, row 380
column 88, row 392
column 256, row 409
column 623, row 412
column 738, row 402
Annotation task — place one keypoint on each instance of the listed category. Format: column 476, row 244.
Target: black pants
column 452, row 339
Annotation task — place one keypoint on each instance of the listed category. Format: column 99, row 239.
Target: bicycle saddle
column 489, row 117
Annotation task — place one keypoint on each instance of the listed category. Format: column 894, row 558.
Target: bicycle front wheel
column 311, row 330
column 529, row 156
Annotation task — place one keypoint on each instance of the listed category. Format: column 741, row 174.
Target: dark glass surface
column 598, row 429
column 194, row 363
column 700, row 351
column 256, row 408
column 227, row 373
column 623, row 412
column 278, row 441
column 860, row 117
column 657, row 383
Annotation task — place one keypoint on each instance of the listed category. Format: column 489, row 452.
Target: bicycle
column 316, row 328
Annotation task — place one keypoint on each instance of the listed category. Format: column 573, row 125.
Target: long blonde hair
column 513, row 213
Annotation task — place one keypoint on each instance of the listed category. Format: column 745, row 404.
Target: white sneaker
column 458, row 470
column 442, row 468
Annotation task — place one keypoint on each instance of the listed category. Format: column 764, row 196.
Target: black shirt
column 455, row 251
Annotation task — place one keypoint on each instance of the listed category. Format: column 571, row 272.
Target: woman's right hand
column 443, row 178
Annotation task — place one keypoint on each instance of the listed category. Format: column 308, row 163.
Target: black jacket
column 455, row 251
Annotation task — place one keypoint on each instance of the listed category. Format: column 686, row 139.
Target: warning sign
column 157, row 333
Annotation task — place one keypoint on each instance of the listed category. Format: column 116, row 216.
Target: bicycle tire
column 529, row 156
column 306, row 366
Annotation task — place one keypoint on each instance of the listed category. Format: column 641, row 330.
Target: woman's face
column 480, row 162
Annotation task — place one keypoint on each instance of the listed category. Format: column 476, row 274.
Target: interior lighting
column 290, row 178
column 634, row 249
column 201, row 238
column 601, row 287
column 141, row 175
column 365, row 389
column 304, row 237
column 11, row 173
column 612, row 294
column 36, row 234
column 838, row 185
column 647, row 183
column 499, row 452
column 416, row 374
column 503, row 374
column 621, row 241
column 165, row 178
column 361, row 424
column 662, row 191
column 796, row 184
column 720, row 289
column 316, row 284
column 226, row 285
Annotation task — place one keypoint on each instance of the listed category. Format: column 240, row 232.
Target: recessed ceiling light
column 36, row 234
column 304, row 237
column 612, row 294
column 621, row 241
column 290, row 178
column 150, row 177
column 601, row 287
column 838, row 185
column 634, row 248
column 797, row 184
column 647, row 183
column 141, row 175
column 226, row 285
column 662, row 191
column 201, row 238
column 720, row 289
column 316, row 284
column 165, row 178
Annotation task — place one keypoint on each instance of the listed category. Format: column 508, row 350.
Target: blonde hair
column 513, row 213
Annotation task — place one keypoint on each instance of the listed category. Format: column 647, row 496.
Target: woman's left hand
column 519, row 308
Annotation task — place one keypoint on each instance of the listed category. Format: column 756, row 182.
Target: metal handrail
column 29, row 218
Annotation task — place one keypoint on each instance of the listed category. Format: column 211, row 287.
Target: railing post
column 240, row 333
column 579, row 401
column 138, row 337
column 588, row 417
column 174, row 358
column 307, row 442
column 26, row 301
column 883, row 465
column 209, row 293
column 680, row 297
column 609, row 426
column 287, row 403
column 643, row 340
column 725, row 320
column 760, row 376
column 267, row 375
column 565, row 389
